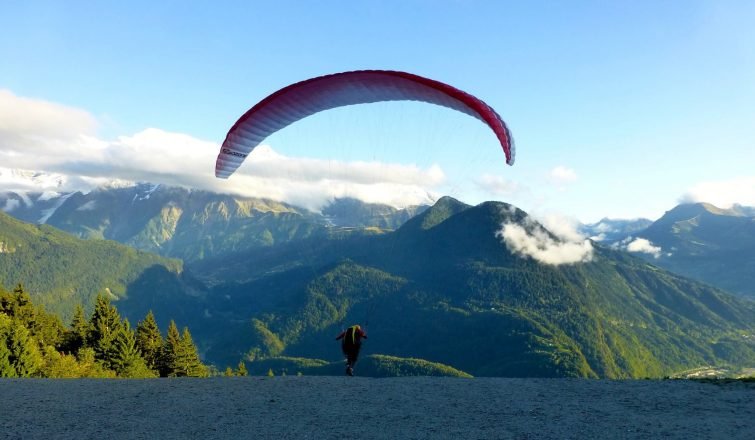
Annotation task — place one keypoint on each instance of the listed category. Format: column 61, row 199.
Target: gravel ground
column 366, row 408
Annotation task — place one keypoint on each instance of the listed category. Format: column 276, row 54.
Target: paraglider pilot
column 351, row 343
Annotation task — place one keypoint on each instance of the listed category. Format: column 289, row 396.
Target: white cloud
column 499, row 186
column 34, row 131
column 22, row 180
column 639, row 245
column 313, row 182
column 47, row 195
column 11, row 204
column 564, row 246
column 25, row 198
column 723, row 193
column 37, row 135
column 604, row 227
column 566, row 228
column 88, row 206
column 562, row 175
column 644, row 246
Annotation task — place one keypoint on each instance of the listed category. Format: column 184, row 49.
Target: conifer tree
column 125, row 357
column 241, row 369
column 6, row 299
column 103, row 328
column 228, row 372
column 187, row 360
column 47, row 328
column 149, row 340
column 76, row 337
column 169, row 352
column 6, row 368
column 90, row 367
column 179, row 355
column 22, row 298
column 18, row 305
column 24, row 354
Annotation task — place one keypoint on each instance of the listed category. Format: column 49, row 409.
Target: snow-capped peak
column 27, row 180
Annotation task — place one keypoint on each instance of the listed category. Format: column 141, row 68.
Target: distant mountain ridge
column 445, row 289
column 701, row 227
column 192, row 225
column 709, row 244
column 611, row 230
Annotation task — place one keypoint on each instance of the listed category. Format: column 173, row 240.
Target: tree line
column 34, row 343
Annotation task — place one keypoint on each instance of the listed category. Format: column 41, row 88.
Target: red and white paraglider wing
column 311, row 96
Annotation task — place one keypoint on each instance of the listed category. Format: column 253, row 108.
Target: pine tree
column 90, row 367
column 241, row 369
column 79, row 324
column 47, row 328
column 125, row 357
column 18, row 305
column 179, row 355
column 24, row 353
column 76, row 337
column 103, row 328
column 6, row 368
column 22, row 298
column 149, row 340
column 169, row 352
column 6, row 300
column 228, row 372
column 187, row 360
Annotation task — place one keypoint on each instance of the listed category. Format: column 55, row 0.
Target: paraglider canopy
column 300, row 100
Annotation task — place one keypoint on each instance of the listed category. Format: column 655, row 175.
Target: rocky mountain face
column 192, row 225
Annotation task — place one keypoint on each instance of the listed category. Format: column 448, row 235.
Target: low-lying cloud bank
column 61, row 142
column 639, row 245
column 559, row 244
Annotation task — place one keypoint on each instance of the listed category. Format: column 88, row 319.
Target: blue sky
column 619, row 109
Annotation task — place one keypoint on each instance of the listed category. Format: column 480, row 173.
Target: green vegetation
column 373, row 365
column 706, row 243
column 355, row 213
column 440, row 291
column 64, row 271
column 196, row 225
column 178, row 223
column 34, row 343
column 444, row 289
column 392, row 366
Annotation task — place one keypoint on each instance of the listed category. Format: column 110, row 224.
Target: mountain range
column 439, row 288
column 697, row 240
column 445, row 288
column 268, row 281
column 192, row 225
